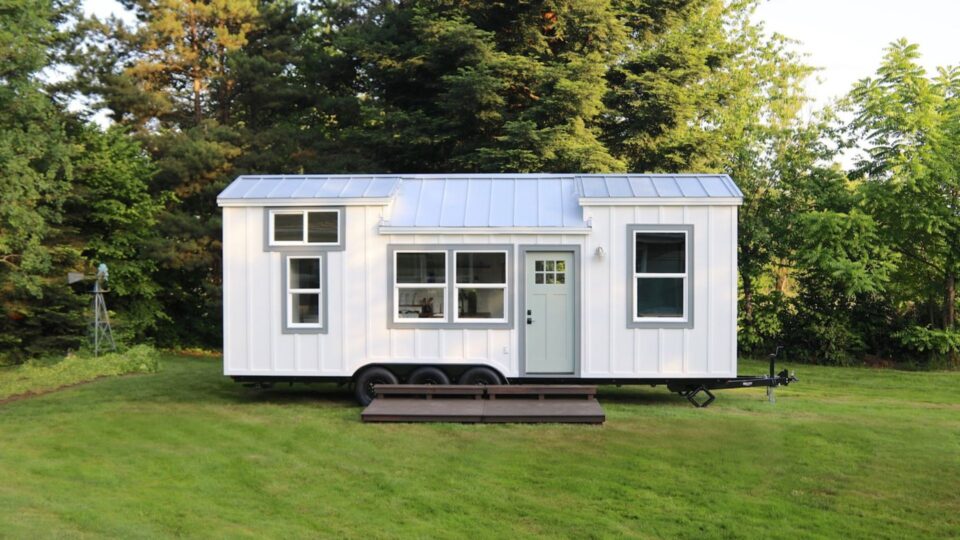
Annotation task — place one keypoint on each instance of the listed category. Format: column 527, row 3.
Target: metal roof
column 501, row 200
column 657, row 186
column 480, row 202
column 335, row 188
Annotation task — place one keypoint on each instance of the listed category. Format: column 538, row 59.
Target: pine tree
column 478, row 86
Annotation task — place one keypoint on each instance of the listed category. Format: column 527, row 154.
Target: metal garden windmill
column 101, row 333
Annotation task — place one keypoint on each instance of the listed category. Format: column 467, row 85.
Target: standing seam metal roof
column 482, row 200
column 311, row 187
column 657, row 186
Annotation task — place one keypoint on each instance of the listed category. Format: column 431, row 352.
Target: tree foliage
column 836, row 264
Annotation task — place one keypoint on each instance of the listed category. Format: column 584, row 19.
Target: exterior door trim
column 521, row 280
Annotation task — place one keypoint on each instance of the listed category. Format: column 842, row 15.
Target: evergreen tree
column 36, row 307
column 478, row 86
column 111, row 216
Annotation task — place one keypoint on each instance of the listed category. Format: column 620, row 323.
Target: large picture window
column 304, row 227
column 481, row 286
column 420, row 287
column 660, row 275
column 304, row 293
column 461, row 286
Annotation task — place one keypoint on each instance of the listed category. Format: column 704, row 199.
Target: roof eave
column 308, row 201
column 660, row 201
column 387, row 229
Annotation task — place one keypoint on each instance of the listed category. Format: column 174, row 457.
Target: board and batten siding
column 357, row 297
column 611, row 349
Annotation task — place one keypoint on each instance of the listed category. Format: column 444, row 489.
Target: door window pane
column 421, row 303
column 480, row 303
column 660, row 253
column 481, row 268
column 322, row 227
column 659, row 297
column 288, row 227
column 305, row 308
column 305, row 273
column 421, row 268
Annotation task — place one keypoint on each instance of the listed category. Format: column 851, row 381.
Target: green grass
column 846, row 452
column 46, row 374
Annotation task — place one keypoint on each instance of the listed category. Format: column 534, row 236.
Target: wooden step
column 428, row 390
column 503, row 403
column 542, row 391
column 399, row 409
column 535, row 411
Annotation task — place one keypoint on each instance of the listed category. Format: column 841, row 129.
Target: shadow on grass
column 638, row 396
column 297, row 393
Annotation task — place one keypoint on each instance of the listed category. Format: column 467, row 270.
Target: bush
column 42, row 375
column 942, row 345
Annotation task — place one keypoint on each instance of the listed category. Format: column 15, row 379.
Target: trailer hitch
column 698, row 391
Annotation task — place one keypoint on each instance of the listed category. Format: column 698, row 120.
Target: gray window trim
column 324, row 311
column 631, row 264
column 308, row 248
column 449, row 323
column 577, row 294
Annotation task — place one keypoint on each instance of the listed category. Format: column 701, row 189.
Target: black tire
column 480, row 375
column 428, row 375
column 363, row 385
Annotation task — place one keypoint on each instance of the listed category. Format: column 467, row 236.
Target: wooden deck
column 486, row 404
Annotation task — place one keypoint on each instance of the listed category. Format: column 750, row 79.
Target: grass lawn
column 853, row 453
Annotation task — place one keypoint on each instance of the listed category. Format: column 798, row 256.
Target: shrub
column 41, row 375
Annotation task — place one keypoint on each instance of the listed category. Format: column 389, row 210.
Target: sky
column 844, row 38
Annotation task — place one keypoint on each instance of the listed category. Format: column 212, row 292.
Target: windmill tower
column 100, row 331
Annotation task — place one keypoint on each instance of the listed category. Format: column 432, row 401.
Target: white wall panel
column 261, row 294
column 357, row 302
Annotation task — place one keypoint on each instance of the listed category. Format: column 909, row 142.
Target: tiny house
column 480, row 278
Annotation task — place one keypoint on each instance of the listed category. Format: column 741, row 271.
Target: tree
column 111, row 216
column 908, row 125
column 478, row 86
column 34, row 174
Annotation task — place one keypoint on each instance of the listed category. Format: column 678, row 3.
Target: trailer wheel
column 363, row 387
column 480, row 375
column 428, row 375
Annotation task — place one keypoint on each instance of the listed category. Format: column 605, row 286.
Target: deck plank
column 399, row 409
column 586, row 411
column 423, row 410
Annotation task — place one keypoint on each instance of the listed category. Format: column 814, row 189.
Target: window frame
column 397, row 287
column 451, row 318
column 287, row 292
column 686, row 321
column 504, row 286
column 302, row 245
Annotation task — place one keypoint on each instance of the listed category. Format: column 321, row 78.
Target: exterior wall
column 357, row 298
column 709, row 348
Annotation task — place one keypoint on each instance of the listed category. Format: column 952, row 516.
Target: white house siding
column 357, row 293
column 709, row 348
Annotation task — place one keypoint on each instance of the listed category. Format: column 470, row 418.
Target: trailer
column 486, row 279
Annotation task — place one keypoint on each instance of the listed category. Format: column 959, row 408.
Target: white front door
column 548, row 313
